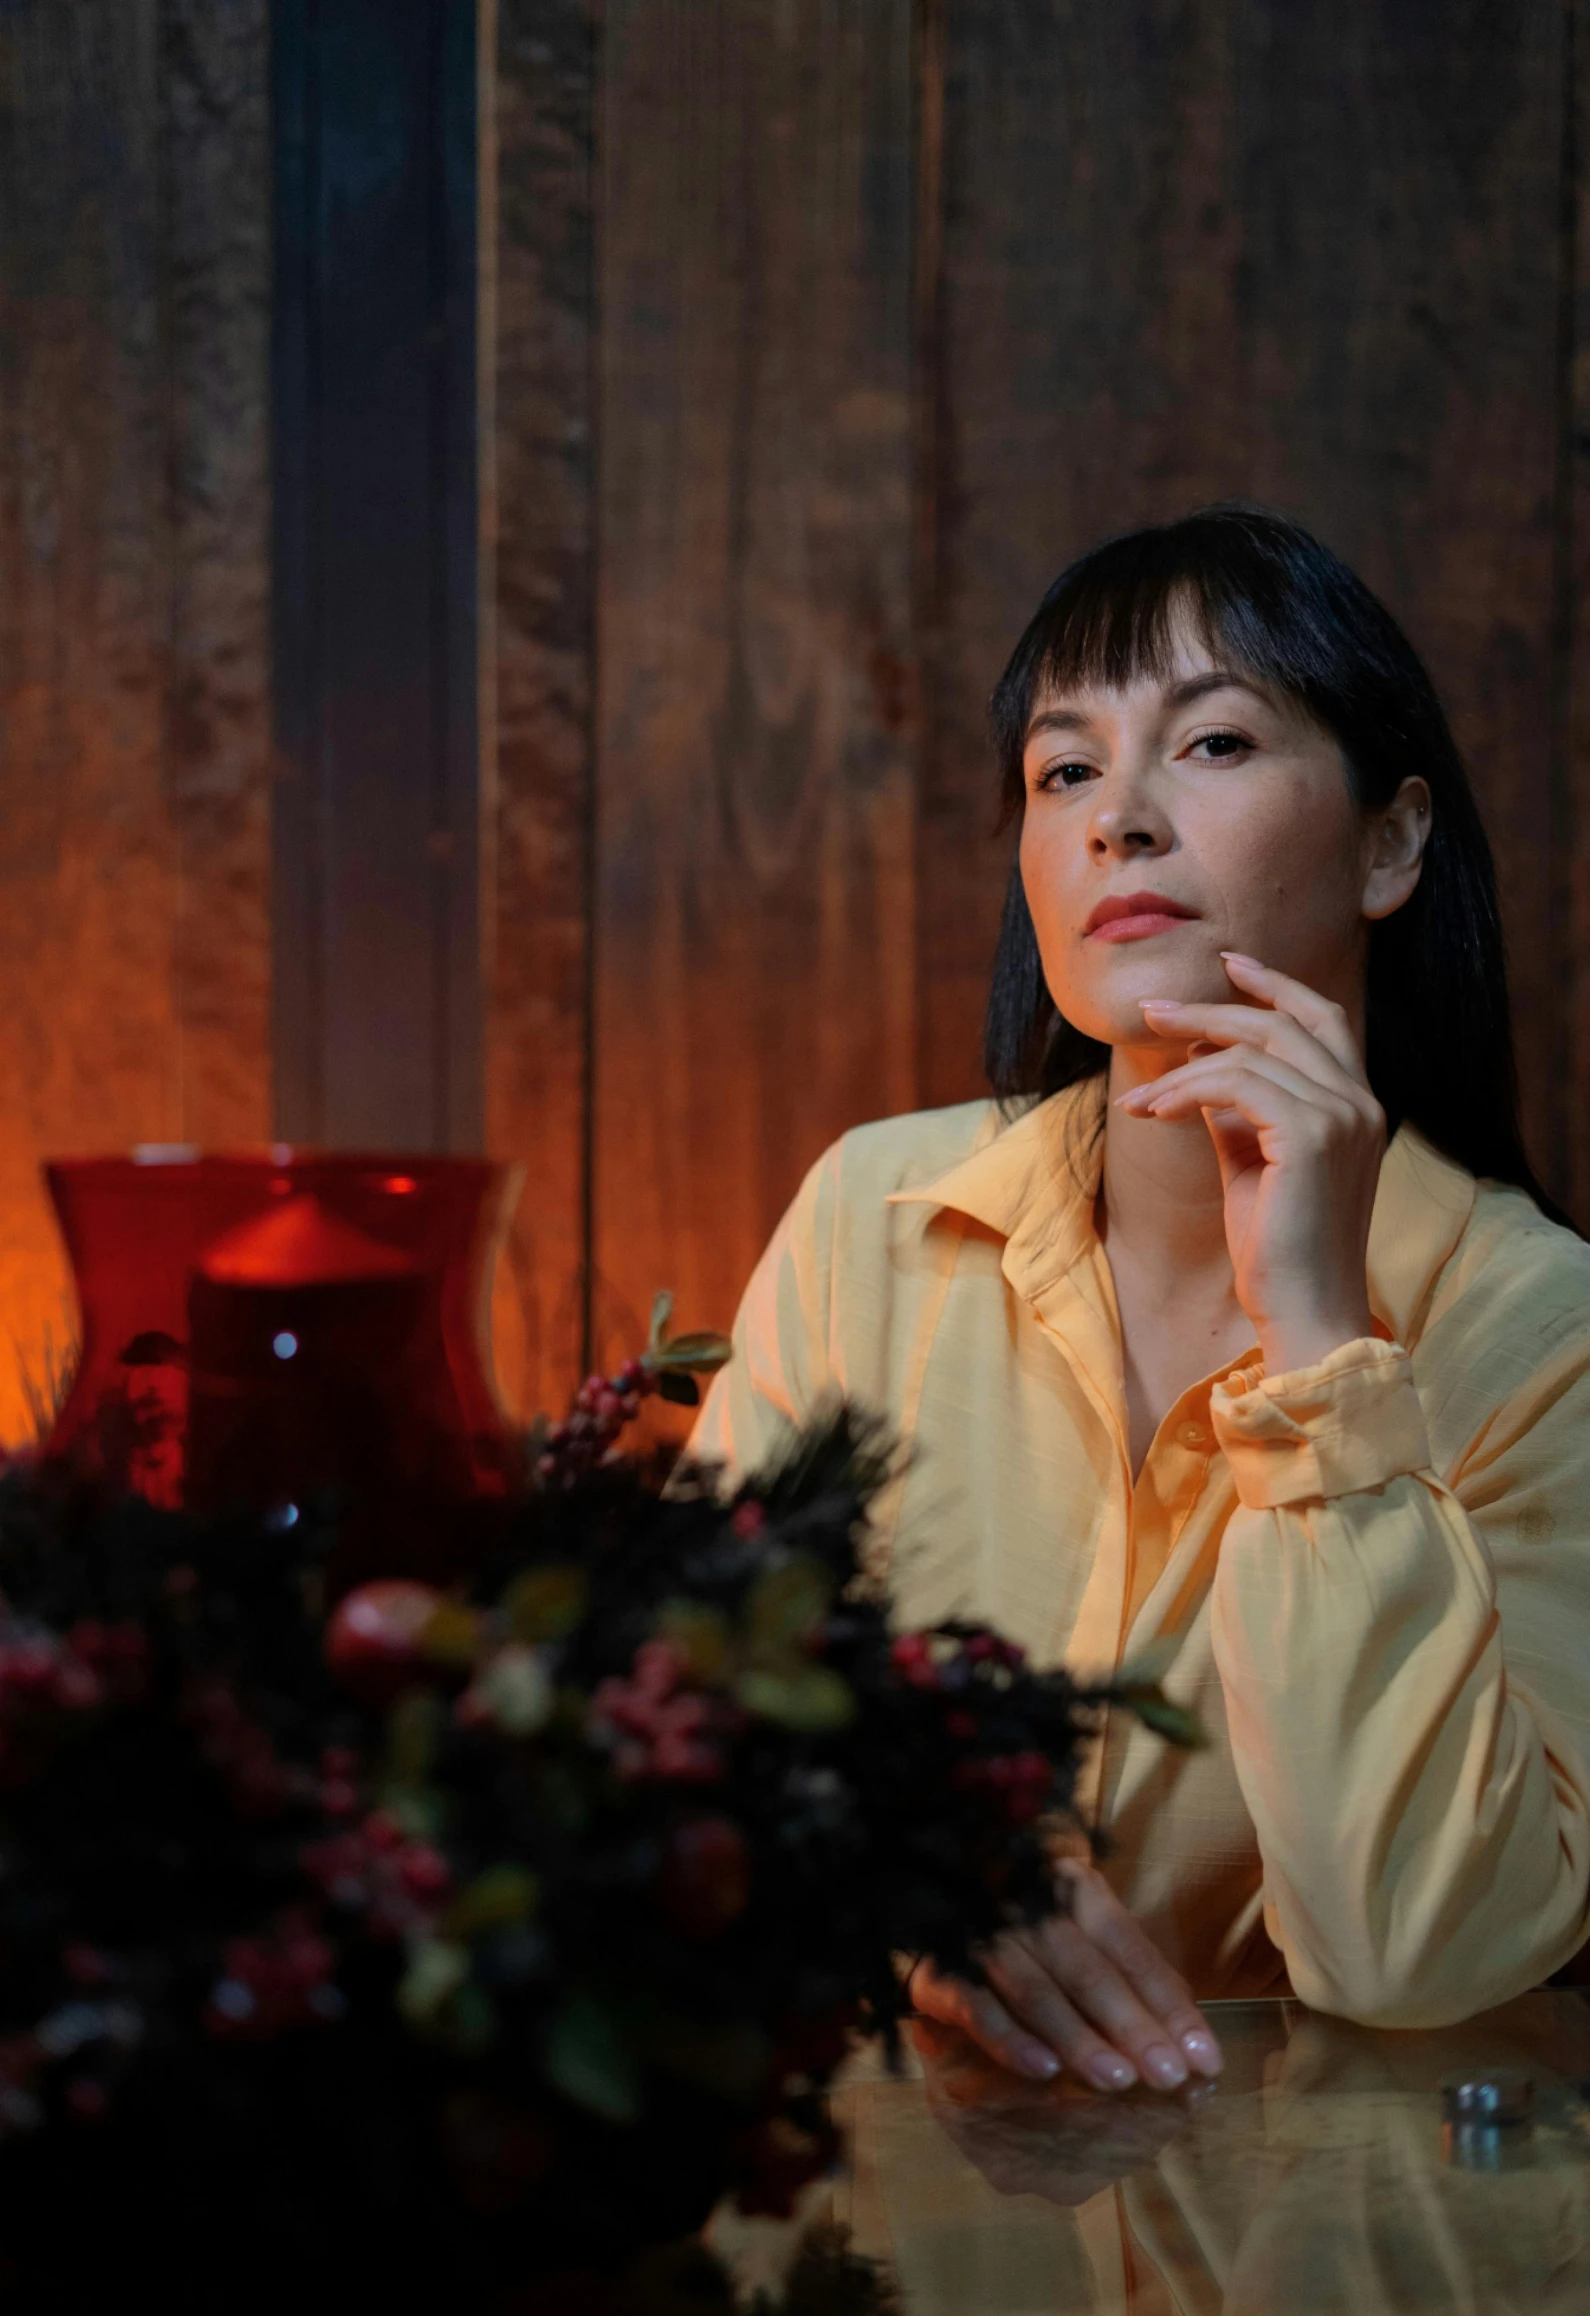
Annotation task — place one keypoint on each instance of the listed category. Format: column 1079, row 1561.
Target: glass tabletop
column 1317, row 2176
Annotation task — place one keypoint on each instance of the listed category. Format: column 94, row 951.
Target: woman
column 1197, row 1362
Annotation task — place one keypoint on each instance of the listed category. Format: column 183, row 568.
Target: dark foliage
column 460, row 1943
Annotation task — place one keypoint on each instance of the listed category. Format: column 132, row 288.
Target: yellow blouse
column 1375, row 1571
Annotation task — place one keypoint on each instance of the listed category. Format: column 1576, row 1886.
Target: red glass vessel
column 255, row 1326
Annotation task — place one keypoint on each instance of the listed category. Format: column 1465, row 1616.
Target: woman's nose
column 1127, row 822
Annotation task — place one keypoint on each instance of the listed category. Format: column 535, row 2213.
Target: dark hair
column 1289, row 612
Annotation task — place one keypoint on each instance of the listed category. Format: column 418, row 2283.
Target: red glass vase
column 256, row 1329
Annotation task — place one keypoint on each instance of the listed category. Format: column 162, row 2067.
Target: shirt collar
column 1035, row 1182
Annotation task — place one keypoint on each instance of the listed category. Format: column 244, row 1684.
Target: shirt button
column 1191, row 1435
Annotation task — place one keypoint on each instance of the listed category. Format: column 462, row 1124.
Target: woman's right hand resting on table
column 1087, row 1991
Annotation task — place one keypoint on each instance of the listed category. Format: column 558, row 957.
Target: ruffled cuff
column 1351, row 1422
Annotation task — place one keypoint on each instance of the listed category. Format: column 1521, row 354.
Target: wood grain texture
column 538, row 811
column 1573, row 637
column 133, row 766
column 375, row 573
column 756, row 940
column 215, row 292
column 1200, row 248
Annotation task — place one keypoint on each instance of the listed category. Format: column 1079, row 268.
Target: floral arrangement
column 450, row 1940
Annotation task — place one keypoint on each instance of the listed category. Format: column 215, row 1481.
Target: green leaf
column 514, row 1690
column 451, row 1635
column 662, row 1310
column 500, row 1896
column 1178, row 1724
column 701, row 1354
column 437, row 1969
column 413, row 1731
column 810, row 1698
column 786, row 1606
column 590, row 2060
column 1150, row 1665
column 421, row 1810
column 545, row 1604
column 701, row 1635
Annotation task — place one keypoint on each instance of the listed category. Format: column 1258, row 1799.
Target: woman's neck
column 1161, row 1217
column 1160, row 1194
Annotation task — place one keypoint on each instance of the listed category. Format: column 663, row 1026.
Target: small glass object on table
column 1321, row 2173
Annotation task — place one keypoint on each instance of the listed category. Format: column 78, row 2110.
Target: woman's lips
column 1135, row 917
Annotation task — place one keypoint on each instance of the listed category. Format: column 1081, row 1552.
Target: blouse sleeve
column 1408, row 1707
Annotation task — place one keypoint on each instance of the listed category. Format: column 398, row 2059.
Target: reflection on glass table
column 1316, row 2176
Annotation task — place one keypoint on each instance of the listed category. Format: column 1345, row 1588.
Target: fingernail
column 1162, row 2066
column 1038, row 2060
column 1240, row 957
column 1111, row 2072
column 1159, row 1004
column 1203, row 2050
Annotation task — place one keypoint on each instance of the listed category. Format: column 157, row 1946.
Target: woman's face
column 1176, row 817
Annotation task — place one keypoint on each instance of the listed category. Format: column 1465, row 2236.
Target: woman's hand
column 1085, row 1990
column 1299, row 1137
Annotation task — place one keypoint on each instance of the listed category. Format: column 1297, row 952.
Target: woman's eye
column 1221, row 746
column 1066, row 774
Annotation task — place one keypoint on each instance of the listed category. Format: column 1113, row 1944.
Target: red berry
column 373, row 1642
column 89, row 2101
column 85, row 1965
column 261, row 1787
column 911, row 1649
column 78, row 1688
column 424, row 1872
column 382, row 1832
column 705, row 1882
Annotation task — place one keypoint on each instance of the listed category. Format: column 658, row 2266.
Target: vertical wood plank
column 215, row 169
column 1306, row 256
column 756, row 957
column 538, row 1023
column 1574, row 621
column 376, row 658
column 132, row 741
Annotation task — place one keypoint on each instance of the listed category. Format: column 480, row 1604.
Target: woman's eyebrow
column 1215, row 679
column 1059, row 720
column 1182, row 695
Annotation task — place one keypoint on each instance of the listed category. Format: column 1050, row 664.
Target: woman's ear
column 1396, row 853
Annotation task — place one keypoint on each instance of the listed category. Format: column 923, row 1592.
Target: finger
column 1211, row 1078
column 1319, row 1015
column 978, row 2012
column 1105, row 1999
column 1263, row 1032
column 1032, row 1994
column 1099, row 1913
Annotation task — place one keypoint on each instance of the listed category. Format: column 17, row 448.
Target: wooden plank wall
column 892, row 309
column 820, row 333
column 540, row 803
column 134, row 770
